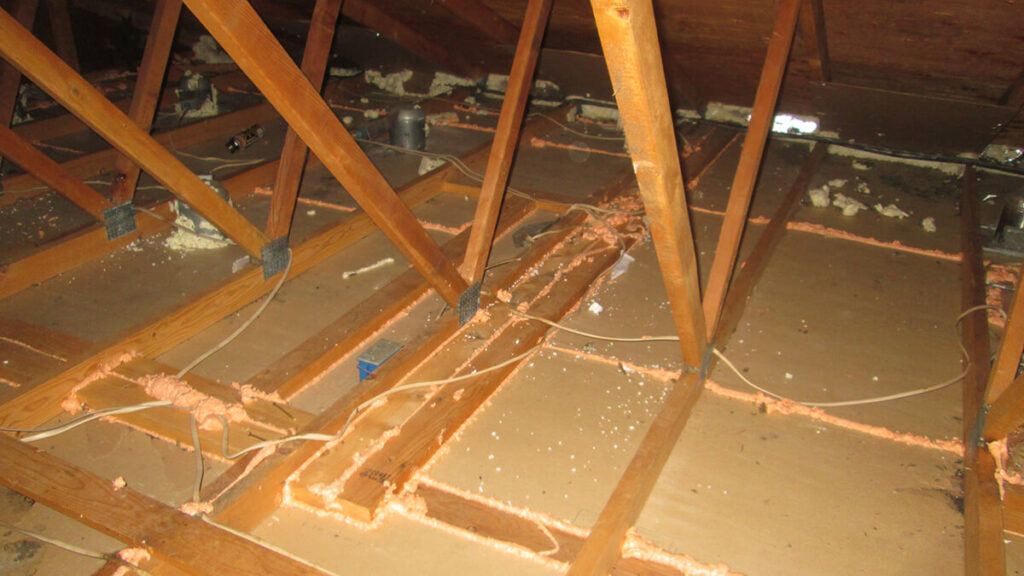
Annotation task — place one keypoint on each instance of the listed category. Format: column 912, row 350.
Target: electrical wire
column 731, row 366
column 574, row 131
column 57, row 543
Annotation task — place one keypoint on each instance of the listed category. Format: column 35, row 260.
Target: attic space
column 521, row 287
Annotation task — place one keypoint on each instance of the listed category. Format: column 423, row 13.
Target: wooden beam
column 37, row 405
column 983, row 524
column 32, row 160
column 815, row 38
column 745, row 178
column 293, row 155
column 753, row 267
column 506, row 138
column 63, row 34
column 629, row 39
column 630, row 42
column 1014, row 94
column 97, row 163
column 1004, row 370
column 147, row 91
column 369, row 14
column 245, row 37
column 35, row 61
column 24, row 11
column 1013, row 508
column 483, row 19
column 1006, row 414
column 135, row 519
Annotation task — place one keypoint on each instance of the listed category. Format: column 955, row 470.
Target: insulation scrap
column 863, row 188
column 1000, row 283
column 118, row 483
column 504, row 295
column 196, row 508
column 250, row 394
column 442, row 119
column 71, row 404
column 204, row 408
column 837, row 183
column 393, row 83
column 848, row 205
column 186, row 238
column 820, row 197
column 134, row 556
column 595, row 308
column 428, row 164
column 891, row 211
column 928, row 224
column 444, row 83
column 207, row 50
column 636, row 546
column 860, row 166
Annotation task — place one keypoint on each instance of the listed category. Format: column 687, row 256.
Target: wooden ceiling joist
column 293, row 155
column 245, row 37
column 34, row 60
column 24, row 12
column 506, row 139
column 484, row 19
column 147, row 91
column 187, row 543
column 745, row 178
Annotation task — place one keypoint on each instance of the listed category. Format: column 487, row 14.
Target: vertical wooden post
column 26, row 53
column 147, row 91
column 983, row 523
column 33, row 161
column 293, row 155
column 63, row 34
column 237, row 27
column 814, row 37
column 629, row 38
column 506, row 137
column 745, row 178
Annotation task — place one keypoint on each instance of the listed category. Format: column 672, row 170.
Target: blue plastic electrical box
column 375, row 355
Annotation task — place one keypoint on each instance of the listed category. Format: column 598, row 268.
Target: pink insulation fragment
column 250, row 394
column 636, row 546
column 71, row 404
column 134, row 556
column 196, row 508
column 118, row 483
column 204, row 408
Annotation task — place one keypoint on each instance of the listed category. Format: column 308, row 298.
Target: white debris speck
column 820, row 197
column 837, row 183
column 428, row 164
column 849, row 206
column 860, row 166
column 371, row 114
column 595, row 308
column 789, row 376
column 310, row 212
column 891, row 211
column 348, row 120
column 928, row 224
column 863, row 188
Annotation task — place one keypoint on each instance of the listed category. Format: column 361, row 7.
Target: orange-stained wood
column 245, row 37
column 147, row 91
column 25, row 52
column 742, row 191
column 293, row 155
column 32, row 160
column 24, row 11
column 63, row 35
column 506, row 138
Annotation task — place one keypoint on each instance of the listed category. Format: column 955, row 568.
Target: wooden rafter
column 293, row 155
column 483, row 19
column 745, row 179
column 629, row 39
column 63, row 34
column 33, row 161
column 147, row 91
column 371, row 15
column 983, row 522
column 24, row 11
column 1014, row 94
column 245, row 37
column 814, row 36
column 25, row 52
column 506, row 138
column 170, row 536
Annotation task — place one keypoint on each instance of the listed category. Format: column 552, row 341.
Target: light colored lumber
column 293, row 155
column 147, row 92
column 814, row 36
column 753, row 267
column 24, row 11
column 630, row 42
column 484, row 19
column 32, row 160
column 1013, row 508
column 20, row 48
column 984, row 553
column 506, row 139
column 745, row 178
column 239, row 30
column 135, row 519
column 1007, row 413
